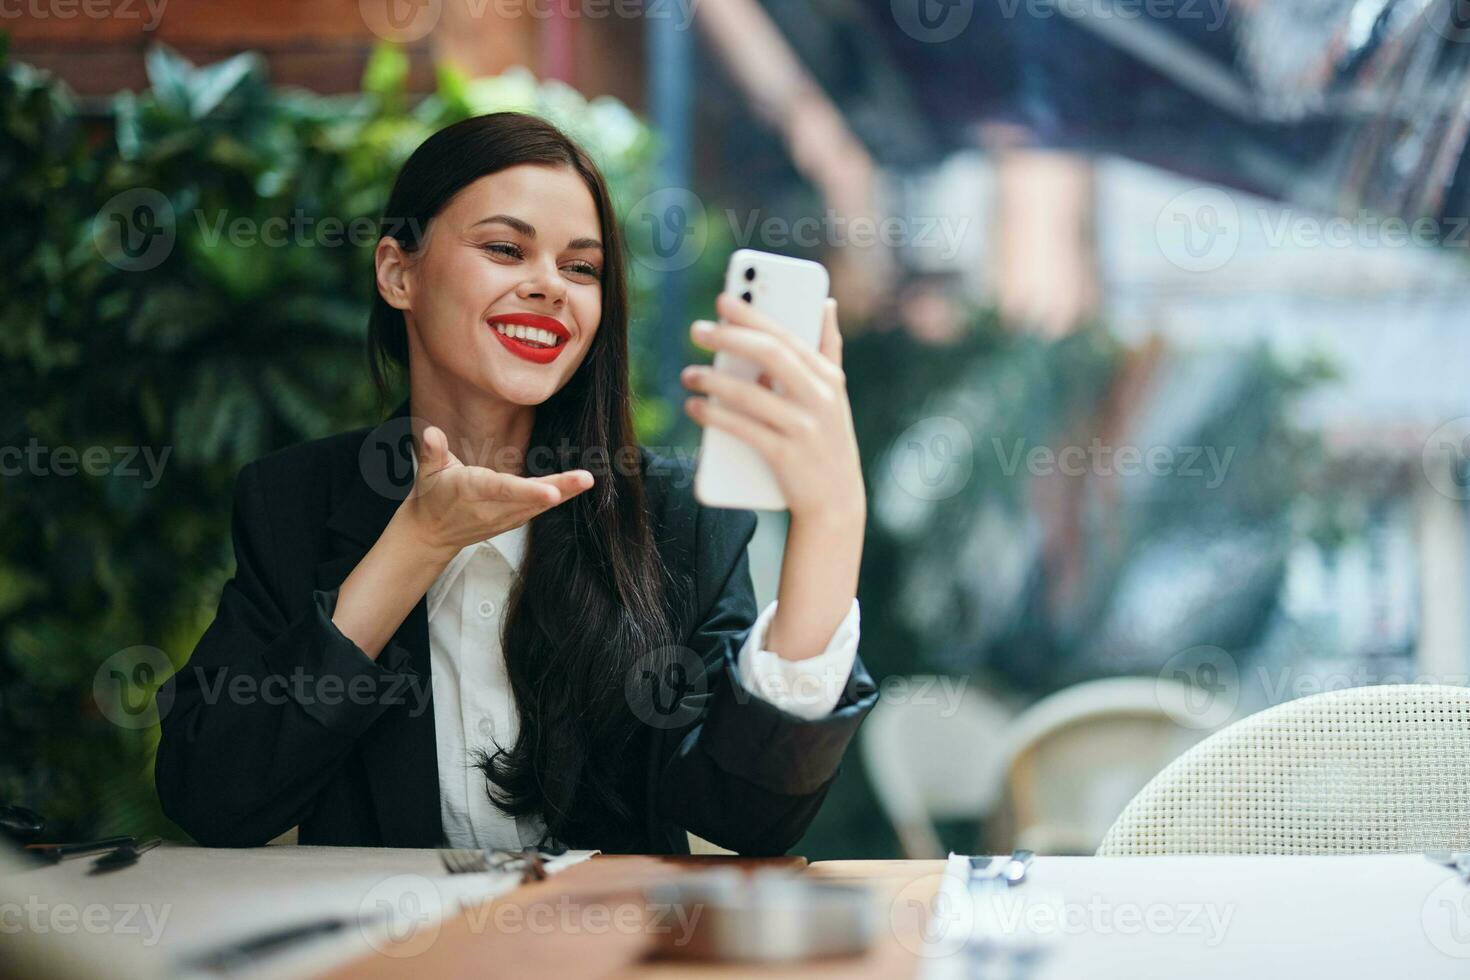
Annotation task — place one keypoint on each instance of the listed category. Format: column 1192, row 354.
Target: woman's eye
column 503, row 248
column 582, row 269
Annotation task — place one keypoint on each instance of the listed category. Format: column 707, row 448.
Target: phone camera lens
column 746, row 296
column 750, row 274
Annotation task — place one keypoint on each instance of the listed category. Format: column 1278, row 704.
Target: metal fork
column 1012, row 957
column 1460, row 861
column 990, row 871
column 467, row 860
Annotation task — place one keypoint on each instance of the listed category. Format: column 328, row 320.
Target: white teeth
column 533, row 334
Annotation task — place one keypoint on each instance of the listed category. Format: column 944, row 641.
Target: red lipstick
column 526, row 349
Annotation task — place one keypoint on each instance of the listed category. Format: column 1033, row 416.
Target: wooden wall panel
column 97, row 46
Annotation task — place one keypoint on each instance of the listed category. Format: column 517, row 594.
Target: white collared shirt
column 474, row 709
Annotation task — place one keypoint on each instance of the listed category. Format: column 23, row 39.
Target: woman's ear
column 393, row 272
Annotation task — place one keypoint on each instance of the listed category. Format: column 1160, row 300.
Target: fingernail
column 703, row 327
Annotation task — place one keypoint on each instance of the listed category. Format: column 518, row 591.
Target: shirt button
column 487, row 608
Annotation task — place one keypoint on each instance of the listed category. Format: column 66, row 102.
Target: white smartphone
column 792, row 292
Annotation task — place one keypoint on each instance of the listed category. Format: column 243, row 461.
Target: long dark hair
column 590, row 603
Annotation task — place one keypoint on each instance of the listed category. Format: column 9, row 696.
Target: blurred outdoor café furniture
column 1051, row 778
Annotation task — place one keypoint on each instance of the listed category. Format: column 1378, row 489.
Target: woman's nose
column 544, row 285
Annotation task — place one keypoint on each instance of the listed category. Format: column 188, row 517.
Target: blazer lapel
column 399, row 750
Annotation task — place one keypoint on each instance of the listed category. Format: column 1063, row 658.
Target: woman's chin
column 523, row 382
column 519, row 387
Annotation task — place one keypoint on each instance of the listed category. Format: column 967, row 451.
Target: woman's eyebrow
column 515, row 224
column 521, row 227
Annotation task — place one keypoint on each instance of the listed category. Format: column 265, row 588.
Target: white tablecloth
column 142, row 920
column 1233, row 918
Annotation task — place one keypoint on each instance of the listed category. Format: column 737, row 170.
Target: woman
column 542, row 638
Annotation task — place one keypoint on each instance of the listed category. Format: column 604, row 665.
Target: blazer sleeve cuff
column 329, row 676
column 807, row 688
column 775, row 749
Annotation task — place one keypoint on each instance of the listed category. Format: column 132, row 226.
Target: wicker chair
column 1367, row 770
column 928, row 761
column 1074, row 759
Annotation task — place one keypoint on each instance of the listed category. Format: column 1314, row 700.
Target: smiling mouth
column 530, row 336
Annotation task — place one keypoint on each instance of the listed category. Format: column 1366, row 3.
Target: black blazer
column 280, row 721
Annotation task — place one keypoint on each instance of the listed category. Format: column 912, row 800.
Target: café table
column 1200, row 917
